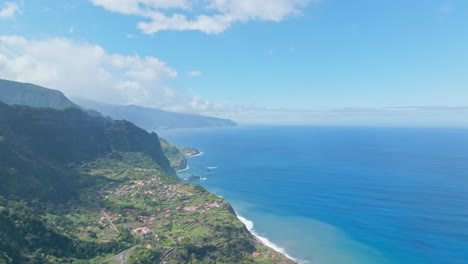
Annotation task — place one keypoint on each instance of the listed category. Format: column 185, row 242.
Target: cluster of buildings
column 134, row 188
column 206, row 206
column 142, row 191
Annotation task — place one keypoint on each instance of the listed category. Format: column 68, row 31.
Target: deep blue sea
column 334, row 195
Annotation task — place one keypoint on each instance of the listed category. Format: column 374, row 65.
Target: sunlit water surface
column 342, row 195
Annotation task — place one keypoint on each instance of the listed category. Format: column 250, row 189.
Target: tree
column 92, row 234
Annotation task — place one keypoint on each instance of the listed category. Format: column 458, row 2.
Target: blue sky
column 250, row 60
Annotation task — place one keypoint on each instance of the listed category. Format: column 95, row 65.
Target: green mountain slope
column 33, row 95
column 81, row 189
column 153, row 119
column 38, row 143
column 176, row 158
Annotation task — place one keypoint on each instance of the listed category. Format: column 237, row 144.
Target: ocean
column 338, row 195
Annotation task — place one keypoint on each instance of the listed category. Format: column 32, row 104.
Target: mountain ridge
column 152, row 118
column 12, row 92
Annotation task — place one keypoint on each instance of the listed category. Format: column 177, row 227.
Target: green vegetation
column 39, row 145
column 174, row 155
column 28, row 235
column 83, row 189
column 177, row 156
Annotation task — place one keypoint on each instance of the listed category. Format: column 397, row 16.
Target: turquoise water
column 342, row 195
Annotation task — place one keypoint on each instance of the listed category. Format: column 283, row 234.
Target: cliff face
column 176, row 158
column 38, row 145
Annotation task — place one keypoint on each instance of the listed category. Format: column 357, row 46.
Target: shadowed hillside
column 38, row 145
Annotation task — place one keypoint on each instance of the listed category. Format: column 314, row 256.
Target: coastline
column 249, row 224
column 187, row 167
column 265, row 241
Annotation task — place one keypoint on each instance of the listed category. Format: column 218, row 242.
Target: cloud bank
column 209, row 16
column 85, row 70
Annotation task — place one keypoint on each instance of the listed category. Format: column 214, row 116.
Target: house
column 256, row 254
column 143, row 230
column 191, row 208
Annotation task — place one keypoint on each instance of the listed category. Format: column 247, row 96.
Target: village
column 159, row 213
column 151, row 208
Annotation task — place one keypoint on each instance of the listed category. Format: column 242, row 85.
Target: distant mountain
column 152, row 119
column 33, row 95
column 148, row 118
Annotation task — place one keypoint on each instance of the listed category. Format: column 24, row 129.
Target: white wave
column 196, row 155
column 202, row 179
column 250, row 226
column 211, row 168
column 186, row 168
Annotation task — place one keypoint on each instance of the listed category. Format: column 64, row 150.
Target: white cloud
column 89, row 71
column 9, row 10
column 141, row 7
column 269, row 10
column 209, row 16
column 194, row 73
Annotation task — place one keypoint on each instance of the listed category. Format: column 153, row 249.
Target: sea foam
column 186, row 168
column 196, row 155
column 250, row 226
